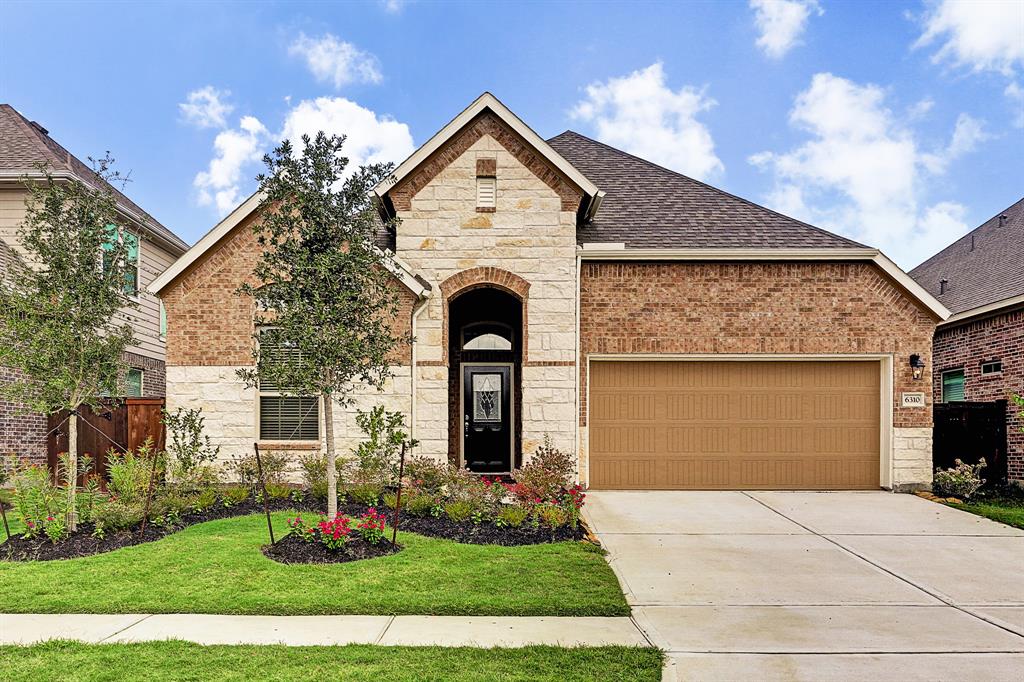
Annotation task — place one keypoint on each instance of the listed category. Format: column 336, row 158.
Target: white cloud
column 863, row 172
column 981, row 35
column 392, row 6
column 220, row 184
column 781, row 23
column 1015, row 94
column 237, row 152
column 642, row 115
column 334, row 60
column 206, row 107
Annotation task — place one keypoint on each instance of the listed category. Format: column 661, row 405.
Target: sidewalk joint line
column 145, row 616
column 387, row 626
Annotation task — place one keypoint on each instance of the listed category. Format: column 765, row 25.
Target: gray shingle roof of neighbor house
column 648, row 206
column 25, row 144
column 983, row 267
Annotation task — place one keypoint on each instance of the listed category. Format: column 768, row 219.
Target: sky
column 899, row 124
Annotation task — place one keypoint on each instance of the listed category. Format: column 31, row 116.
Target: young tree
column 325, row 300
column 60, row 321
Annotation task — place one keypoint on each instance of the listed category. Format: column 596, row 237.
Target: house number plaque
column 913, row 399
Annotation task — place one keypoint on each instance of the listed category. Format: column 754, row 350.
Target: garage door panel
column 737, row 424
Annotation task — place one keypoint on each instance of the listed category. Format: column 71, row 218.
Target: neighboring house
column 979, row 350
column 670, row 334
column 24, row 145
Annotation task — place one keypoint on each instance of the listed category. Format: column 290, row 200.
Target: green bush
column 512, row 516
column 459, row 511
column 376, row 457
column 548, row 473
column 246, row 472
column 314, row 473
column 234, row 495
column 551, row 516
column 366, row 493
column 391, row 499
column 36, row 498
column 428, row 475
column 420, row 504
column 279, row 491
column 204, row 501
column 961, row 480
column 188, row 448
column 128, row 473
column 116, row 515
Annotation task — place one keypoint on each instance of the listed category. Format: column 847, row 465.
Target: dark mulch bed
column 293, row 550
column 486, row 533
column 83, row 543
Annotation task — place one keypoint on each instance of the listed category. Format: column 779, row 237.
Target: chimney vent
column 972, row 242
column 1002, row 220
column 942, row 286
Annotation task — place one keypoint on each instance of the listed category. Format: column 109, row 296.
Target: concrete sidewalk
column 323, row 630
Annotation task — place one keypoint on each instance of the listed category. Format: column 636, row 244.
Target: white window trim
column 995, row 371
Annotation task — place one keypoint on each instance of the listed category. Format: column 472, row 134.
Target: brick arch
column 475, row 278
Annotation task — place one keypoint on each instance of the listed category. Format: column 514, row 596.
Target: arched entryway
column 485, row 353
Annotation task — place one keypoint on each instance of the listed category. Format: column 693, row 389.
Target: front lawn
column 184, row 661
column 1005, row 505
column 217, row 567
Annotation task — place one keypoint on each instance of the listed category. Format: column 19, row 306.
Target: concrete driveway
column 795, row 586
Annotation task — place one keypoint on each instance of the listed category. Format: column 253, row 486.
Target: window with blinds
column 953, row 386
column 486, row 192
column 289, row 417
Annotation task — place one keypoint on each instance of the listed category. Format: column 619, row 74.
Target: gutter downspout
column 420, row 306
column 576, row 383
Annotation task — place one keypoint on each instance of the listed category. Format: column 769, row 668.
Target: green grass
column 182, row 661
column 1010, row 512
column 217, row 567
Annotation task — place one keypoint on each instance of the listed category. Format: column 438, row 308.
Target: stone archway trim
column 485, row 276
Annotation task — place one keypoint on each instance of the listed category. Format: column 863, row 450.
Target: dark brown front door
column 487, row 418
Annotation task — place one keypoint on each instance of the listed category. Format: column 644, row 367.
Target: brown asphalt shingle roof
column 23, row 145
column 647, row 206
column 993, row 270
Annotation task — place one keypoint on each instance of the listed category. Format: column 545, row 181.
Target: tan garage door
column 734, row 425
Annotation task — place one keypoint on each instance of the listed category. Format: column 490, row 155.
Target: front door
column 487, row 414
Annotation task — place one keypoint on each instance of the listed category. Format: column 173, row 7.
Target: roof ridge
column 965, row 235
column 717, row 190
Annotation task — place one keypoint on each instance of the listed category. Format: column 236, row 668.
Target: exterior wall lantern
column 917, row 365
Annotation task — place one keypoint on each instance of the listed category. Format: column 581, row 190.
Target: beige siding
column 152, row 261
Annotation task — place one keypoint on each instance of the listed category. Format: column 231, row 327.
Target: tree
column 61, row 321
column 325, row 299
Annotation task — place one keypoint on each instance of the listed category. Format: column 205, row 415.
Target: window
column 133, row 383
column 487, row 336
column 131, row 242
column 953, row 386
column 285, row 417
column 486, row 192
column 992, row 367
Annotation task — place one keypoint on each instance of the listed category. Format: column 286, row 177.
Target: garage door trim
column 885, row 362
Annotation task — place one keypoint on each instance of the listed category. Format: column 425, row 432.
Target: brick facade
column 966, row 346
column 154, row 374
column 21, row 433
column 773, row 308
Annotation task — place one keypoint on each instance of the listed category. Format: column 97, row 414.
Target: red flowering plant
column 371, row 527
column 332, row 534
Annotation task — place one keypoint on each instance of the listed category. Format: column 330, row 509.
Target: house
column 669, row 333
column 979, row 351
column 24, row 145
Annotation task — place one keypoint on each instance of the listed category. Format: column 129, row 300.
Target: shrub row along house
column 671, row 334
column 979, row 350
column 25, row 148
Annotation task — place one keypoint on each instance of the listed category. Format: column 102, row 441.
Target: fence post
column 263, row 487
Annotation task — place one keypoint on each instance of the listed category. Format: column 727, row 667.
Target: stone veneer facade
column 966, row 346
column 764, row 308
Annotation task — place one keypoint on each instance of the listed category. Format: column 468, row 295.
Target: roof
column 488, row 102
column 25, row 144
column 648, row 206
column 983, row 267
column 397, row 267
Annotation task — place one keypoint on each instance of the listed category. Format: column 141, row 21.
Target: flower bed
column 333, row 541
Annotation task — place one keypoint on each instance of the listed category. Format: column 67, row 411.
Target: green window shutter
column 289, row 417
column 131, row 275
column 953, row 386
column 163, row 321
column 133, row 383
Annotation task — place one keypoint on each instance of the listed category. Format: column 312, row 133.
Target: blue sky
column 900, row 124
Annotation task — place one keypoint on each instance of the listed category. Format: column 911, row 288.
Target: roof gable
column 648, row 206
column 984, row 266
column 25, row 144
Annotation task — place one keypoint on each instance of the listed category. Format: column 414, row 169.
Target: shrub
column 391, row 499
column 371, row 527
column 366, row 493
column 129, row 472
column 420, row 504
column 199, row 478
column 187, row 446
column 234, row 495
column 246, row 472
column 36, row 498
column 314, row 473
column 428, row 475
column 512, row 515
column 459, row 511
column 204, row 501
column 551, row 516
column 55, row 528
column 376, row 457
column 332, row 534
column 117, row 514
column 279, row 491
column 961, row 480
column 546, row 475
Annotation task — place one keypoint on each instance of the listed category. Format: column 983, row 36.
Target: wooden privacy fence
column 969, row 431
column 121, row 425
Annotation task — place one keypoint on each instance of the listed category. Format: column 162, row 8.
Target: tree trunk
column 72, row 472
column 332, row 464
